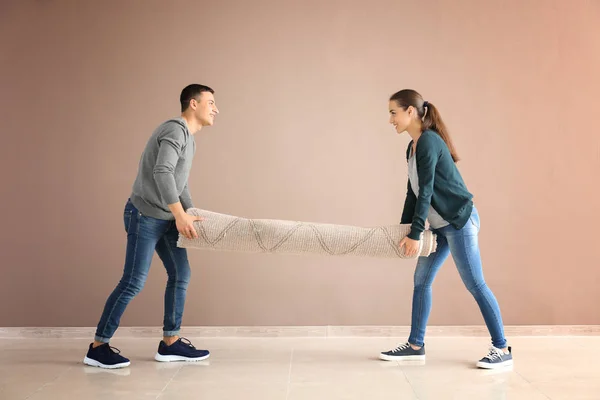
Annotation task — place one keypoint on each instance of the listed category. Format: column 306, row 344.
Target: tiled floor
column 298, row 368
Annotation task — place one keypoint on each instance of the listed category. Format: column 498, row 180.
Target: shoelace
column 401, row 347
column 113, row 350
column 187, row 342
column 494, row 354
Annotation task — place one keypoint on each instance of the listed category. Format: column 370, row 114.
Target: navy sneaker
column 403, row 352
column 496, row 358
column 105, row 356
column 181, row 350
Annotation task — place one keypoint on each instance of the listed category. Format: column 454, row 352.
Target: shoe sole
column 159, row 357
column 503, row 364
column 94, row 363
column 386, row 357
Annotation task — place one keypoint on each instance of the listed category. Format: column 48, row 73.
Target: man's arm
column 186, row 198
column 170, row 147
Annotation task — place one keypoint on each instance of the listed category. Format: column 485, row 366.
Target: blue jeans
column 464, row 247
column 144, row 236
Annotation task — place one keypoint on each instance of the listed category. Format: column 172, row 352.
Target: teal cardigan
column 440, row 185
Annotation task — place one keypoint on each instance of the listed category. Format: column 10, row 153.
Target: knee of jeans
column 181, row 277
column 422, row 285
column 422, row 280
column 477, row 288
column 132, row 287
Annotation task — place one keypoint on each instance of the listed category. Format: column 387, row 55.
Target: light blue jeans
column 464, row 247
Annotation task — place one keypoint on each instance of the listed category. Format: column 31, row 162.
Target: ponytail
column 433, row 120
column 429, row 114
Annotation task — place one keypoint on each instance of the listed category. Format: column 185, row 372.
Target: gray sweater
column 164, row 169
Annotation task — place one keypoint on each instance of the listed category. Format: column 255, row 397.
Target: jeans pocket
column 127, row 219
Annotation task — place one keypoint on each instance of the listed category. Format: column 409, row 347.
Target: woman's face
column 399, row 117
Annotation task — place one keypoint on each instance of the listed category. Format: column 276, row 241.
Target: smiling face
column 204, row 108
column 401, row 118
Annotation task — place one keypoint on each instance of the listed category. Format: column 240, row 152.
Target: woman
column 437, row 193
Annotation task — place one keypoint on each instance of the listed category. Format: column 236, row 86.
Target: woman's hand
column 411, row 247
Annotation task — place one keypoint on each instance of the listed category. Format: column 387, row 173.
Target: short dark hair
column 191, row 92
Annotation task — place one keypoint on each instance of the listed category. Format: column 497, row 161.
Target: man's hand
column 184, row 221
column 185, row 225
column 411, row 247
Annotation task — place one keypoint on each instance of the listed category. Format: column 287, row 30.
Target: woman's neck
column 415, row 131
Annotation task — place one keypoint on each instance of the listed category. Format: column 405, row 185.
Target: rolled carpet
column 230, row 233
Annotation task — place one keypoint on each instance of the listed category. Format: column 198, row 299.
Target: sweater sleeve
column 170, row 147
column 186, row 198
column 411, row 200
column 427, row 156
column 409, row 206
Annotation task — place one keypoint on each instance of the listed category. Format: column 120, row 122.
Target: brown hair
column 428, row 113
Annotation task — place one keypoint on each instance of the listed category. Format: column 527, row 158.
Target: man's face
column 205, row 108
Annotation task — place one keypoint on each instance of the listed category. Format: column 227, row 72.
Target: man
column 154, row 216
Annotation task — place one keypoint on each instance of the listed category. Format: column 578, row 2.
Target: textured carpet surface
column 230, row 233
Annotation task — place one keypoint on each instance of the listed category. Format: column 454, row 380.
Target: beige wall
column 302, row 87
